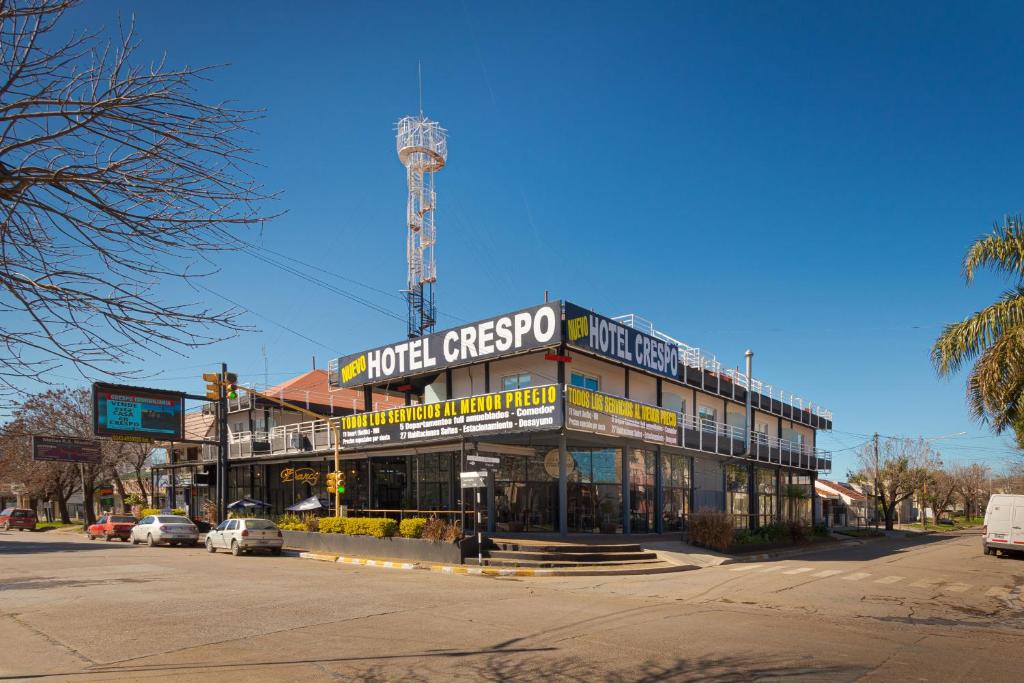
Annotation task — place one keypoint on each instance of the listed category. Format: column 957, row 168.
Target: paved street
column 931, row 608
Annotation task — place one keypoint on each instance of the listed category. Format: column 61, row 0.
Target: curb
column 363, row 562
column 463, row 570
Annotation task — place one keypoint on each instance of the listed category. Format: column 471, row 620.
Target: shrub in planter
column 146, row 512
column 290, row 521
column 412, row 528
column 332, row 525
column 433, row 530
column 711, row 529
column 378, row 527
column 178, row 511
column 133, row 499
column 311, row 523
column 797, row 532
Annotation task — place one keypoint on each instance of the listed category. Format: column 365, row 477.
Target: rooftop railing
column 695, row 358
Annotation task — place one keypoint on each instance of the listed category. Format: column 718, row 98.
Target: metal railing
column 693, row 357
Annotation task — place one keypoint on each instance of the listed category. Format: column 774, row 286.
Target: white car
column 245, row 535
column 169, row 529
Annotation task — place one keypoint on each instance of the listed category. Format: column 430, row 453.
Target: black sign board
column 516, row 410
column 504, row 335
column 619, row 342
column 138, row 412
column 67, row 449
column 590, row 411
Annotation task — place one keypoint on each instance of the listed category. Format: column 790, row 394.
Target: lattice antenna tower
column 423, row 149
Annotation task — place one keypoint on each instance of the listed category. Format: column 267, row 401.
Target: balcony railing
column 699, row 434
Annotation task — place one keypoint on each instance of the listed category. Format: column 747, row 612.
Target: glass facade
column 642, row 491
column 675, row 496
column 526, row 493
column 737, row 496
column 525, row 489
column 768, row 495
column 595, row 490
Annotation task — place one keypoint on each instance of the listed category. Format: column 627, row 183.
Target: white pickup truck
column 1004, row 523
column 245, row 535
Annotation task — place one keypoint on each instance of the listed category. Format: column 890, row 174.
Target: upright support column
column 563, row 486
column 814, row 500
column 490, row 501
column 659, row 492
column 626, row 511
column 753, row 497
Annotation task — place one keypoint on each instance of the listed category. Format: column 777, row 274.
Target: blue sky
column 799, row 179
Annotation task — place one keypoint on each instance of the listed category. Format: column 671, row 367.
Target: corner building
column 587, row 423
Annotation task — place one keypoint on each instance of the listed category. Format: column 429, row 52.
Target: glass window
column 101, row 520
column 122, row 519
column 259, row 524
column 642, row 491
column 595, row 491
column 147, row 520
column 173, row 520
column 675, row 496
column 737, row 496
column 708, row 418
column 223, row 525
column 579, row 379
column 768, row 495
column 519, row 381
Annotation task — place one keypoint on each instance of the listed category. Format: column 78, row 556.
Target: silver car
column 245, row 535
column 169, row 529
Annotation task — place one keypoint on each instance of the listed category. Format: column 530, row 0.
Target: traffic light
column 332, row 480
column 212, row 380
column 341, row 482
column 231, row 380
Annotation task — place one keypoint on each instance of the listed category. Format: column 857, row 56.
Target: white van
column 1004, row 523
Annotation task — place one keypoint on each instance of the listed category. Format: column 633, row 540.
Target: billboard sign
column 138, row 412
column 590, row 411
column 612, row 339
column 67, row 449
column 504, row 335
column 517, row 410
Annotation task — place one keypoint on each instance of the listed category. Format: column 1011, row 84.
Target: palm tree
column 992, row 338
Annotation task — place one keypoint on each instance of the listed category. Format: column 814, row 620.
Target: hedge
column 146, row 512
column 378, row 527
column 413, row 527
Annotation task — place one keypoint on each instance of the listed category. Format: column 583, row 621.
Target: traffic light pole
column 222, row 449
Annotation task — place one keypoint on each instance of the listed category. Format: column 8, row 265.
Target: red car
column 112, row 526
column 18, row 518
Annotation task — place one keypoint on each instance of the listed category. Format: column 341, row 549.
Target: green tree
column 992, row 338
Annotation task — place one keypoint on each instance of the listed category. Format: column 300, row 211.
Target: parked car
column 245, row 535
column 1004, row 524
column 112, row 526
column 18, row 518
column 169, row 529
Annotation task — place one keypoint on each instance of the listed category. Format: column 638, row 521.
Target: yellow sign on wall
column 302, row 475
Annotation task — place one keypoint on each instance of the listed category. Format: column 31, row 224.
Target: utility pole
column 874, row 484
column 222, row 448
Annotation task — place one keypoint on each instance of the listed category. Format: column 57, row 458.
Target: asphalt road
column 932, row 608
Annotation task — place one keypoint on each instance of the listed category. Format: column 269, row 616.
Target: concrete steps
column 528, row 553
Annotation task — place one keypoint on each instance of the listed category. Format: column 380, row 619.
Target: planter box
column 396, row 548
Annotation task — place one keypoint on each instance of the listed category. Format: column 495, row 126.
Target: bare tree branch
column 115, row 180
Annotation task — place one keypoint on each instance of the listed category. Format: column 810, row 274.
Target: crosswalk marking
column 997, row 592
column 856, row 576
column 773, row 568
column 746, row 567
column 827, row 573
column 926, row 583
column 800, row 570
column 956, row 587
column 890, row 579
